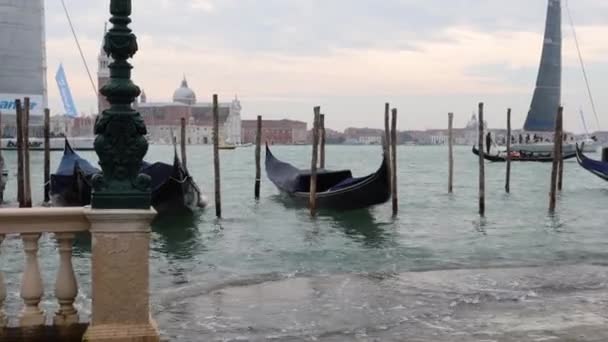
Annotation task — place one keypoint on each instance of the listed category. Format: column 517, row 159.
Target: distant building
column 60, row 125
column 82, row 126
column 283, row 132
column 22, row 57
column 103, row 77
column 365, row 136
column 462, row 136
column 163, row 119
column 334, row 137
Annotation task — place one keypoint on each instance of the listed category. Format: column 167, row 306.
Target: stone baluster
column 66, row 287
column 31, row 283
column 3, row 319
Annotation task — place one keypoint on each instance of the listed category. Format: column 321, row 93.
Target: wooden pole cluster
column 258, row 147
column 216, row 157
column 482, row 176
column 394, row 162
column 450, row 153
column 322, row 140
column 183, row 143
column 508, row 178
column 557, row 142
column 313, row 164
column 47, row 155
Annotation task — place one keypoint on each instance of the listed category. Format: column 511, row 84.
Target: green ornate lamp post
column 120, row 131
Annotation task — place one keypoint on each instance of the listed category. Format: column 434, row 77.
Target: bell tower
column 103, row 75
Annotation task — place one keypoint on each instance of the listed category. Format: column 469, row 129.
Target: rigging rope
column 86, row 66
column 580, row 58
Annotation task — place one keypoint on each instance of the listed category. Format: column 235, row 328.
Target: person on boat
column 488, row 142
column 528, row 138
column 521, row 139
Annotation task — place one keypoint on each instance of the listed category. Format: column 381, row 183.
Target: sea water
column 437, row 272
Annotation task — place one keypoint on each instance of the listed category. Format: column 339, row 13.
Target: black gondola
column 173, row 189
column 336, row 189
column 71, row 183
column 596, row 167
column 520, row 156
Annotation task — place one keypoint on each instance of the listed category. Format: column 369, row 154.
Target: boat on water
column 227, row 147
column 173, row 189
column 589, row 145
column 523, row 156
column 337, row 190
column 546, row 99
column 56, row 144
column 598, row 168
column 71, row 183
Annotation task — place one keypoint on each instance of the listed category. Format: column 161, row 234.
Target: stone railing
column 120, row 251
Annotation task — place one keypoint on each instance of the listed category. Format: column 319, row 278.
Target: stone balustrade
column 120, row 250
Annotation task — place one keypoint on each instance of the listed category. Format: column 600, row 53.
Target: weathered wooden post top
column 120, row 143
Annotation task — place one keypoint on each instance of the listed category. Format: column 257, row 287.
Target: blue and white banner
column 66, row 94
column 7, row 103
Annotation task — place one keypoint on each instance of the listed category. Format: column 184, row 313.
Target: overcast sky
column 282, row 57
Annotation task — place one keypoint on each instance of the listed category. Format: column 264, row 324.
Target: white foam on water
column 517, row 304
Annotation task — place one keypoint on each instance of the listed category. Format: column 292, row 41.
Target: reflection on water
column 359, row 225
column 177, row 236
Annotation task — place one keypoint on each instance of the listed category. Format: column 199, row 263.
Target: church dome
column 184, row 95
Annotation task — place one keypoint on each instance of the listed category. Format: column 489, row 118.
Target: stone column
column 120, row 276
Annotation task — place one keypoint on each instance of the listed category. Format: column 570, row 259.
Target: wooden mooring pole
column 394, row 163
column 313, row 164
column 322, row 140
column 258, row 147
column 183, row 142
column 47, row 155
column 26, row 150
column 216, row 157
column 560, row 155
column 450, row 153
column 482, row 175
column 554, row 170
column 2, row 179
column 20, row 173
column 387, row 134
column 508, row 177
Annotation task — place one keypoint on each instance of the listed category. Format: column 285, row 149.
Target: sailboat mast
column 547, row 94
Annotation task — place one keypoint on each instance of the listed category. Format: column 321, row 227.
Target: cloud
column 282, row 56
column 203, row 5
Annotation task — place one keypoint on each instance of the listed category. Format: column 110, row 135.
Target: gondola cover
column 173, row 189
column 70, row 184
